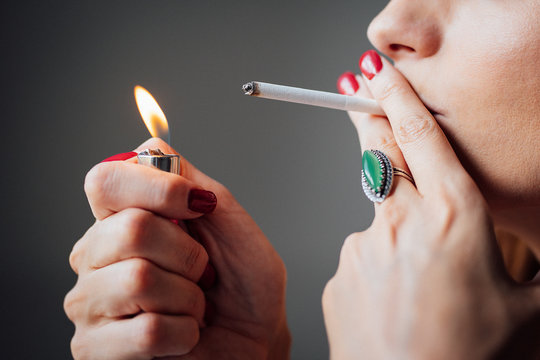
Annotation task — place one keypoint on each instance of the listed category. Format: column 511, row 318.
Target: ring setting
column 378, row 175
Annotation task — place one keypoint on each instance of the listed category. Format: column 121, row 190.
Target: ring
column 378, row 175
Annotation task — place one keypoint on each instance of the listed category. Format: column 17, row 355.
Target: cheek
column 492, row 96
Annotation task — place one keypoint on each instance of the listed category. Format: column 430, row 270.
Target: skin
column 137, row 295
column 425, row 281
column 470, row 61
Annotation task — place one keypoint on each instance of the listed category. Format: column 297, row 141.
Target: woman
column 426, row 280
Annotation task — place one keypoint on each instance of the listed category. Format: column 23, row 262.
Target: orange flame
column 151, row 113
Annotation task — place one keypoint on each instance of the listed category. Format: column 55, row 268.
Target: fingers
column 115, row 186
column 132, row 286
column 138, row 233
column 421, row 140
column 375, row 132
column 145, row 336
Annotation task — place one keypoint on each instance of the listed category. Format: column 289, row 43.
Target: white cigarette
column 312, row 97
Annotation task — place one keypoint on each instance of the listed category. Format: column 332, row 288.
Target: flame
column 151, row 113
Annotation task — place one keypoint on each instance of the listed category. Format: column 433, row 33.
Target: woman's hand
column 139, row 295
column 426, row 280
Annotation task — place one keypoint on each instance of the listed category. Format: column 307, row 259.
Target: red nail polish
column 208, row 277
column 121, row 157
column 370, row 64
column 202, row 201
column 347, row 84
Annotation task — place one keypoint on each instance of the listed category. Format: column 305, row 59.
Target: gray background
column 68, row 71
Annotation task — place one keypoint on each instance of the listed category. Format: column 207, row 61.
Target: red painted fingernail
column 209, row 312
column 370, row 64
column 121, row 157
column 208, row 277
column 347, row 84
column 202, row 201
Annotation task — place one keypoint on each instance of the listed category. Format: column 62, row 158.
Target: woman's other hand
column 145, row 288
column 426, row 280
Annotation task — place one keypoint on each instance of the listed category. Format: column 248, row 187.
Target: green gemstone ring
column 378, row 174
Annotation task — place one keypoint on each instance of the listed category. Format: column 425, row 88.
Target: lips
column 433, row 110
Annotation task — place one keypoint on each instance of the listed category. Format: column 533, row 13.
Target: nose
column 407, row 29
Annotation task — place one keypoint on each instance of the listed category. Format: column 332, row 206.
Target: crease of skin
column 507, row 50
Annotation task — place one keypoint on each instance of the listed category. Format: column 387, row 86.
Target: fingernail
column 121, row 157
column 209, row 312
column 370, row 64
column 208, row 277
column 202, row 201
column 347, row 84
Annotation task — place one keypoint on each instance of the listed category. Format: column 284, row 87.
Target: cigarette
column 312, row 97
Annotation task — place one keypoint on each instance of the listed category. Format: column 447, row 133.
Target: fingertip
column 370, row 64
column 202, row 201
column 347, row 83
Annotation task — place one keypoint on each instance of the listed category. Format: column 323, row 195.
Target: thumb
column 374, row 132
column 187, row 170
column 229, row 216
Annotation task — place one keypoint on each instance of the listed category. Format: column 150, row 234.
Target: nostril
column 400, row 47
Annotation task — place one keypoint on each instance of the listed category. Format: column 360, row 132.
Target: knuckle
column 461, row 197
column 139, row 277
column 78, row 257
column 195, row 301
column 446, row 212
column 328, row 292
column 391, row 219
column 387, row 144
column 78, row 345
column 351, row 247
column 97, row 182
column 75, row 256
column 137, row 223
column 414, row 127
column 151, row 335
column 71, row 304
column 460, row 192
column 191, row 334
column 351, row 241
column 393, row 213
column 169, row 190
column 153, row 338
column 390, row 90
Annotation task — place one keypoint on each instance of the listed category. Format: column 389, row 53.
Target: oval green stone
column 372, row 170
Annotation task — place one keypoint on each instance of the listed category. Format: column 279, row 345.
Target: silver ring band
column 404, row 174
column 378, row 175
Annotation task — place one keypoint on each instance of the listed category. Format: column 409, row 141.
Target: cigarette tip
column 248, row 88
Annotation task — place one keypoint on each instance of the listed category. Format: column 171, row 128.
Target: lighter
column 157, row 159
